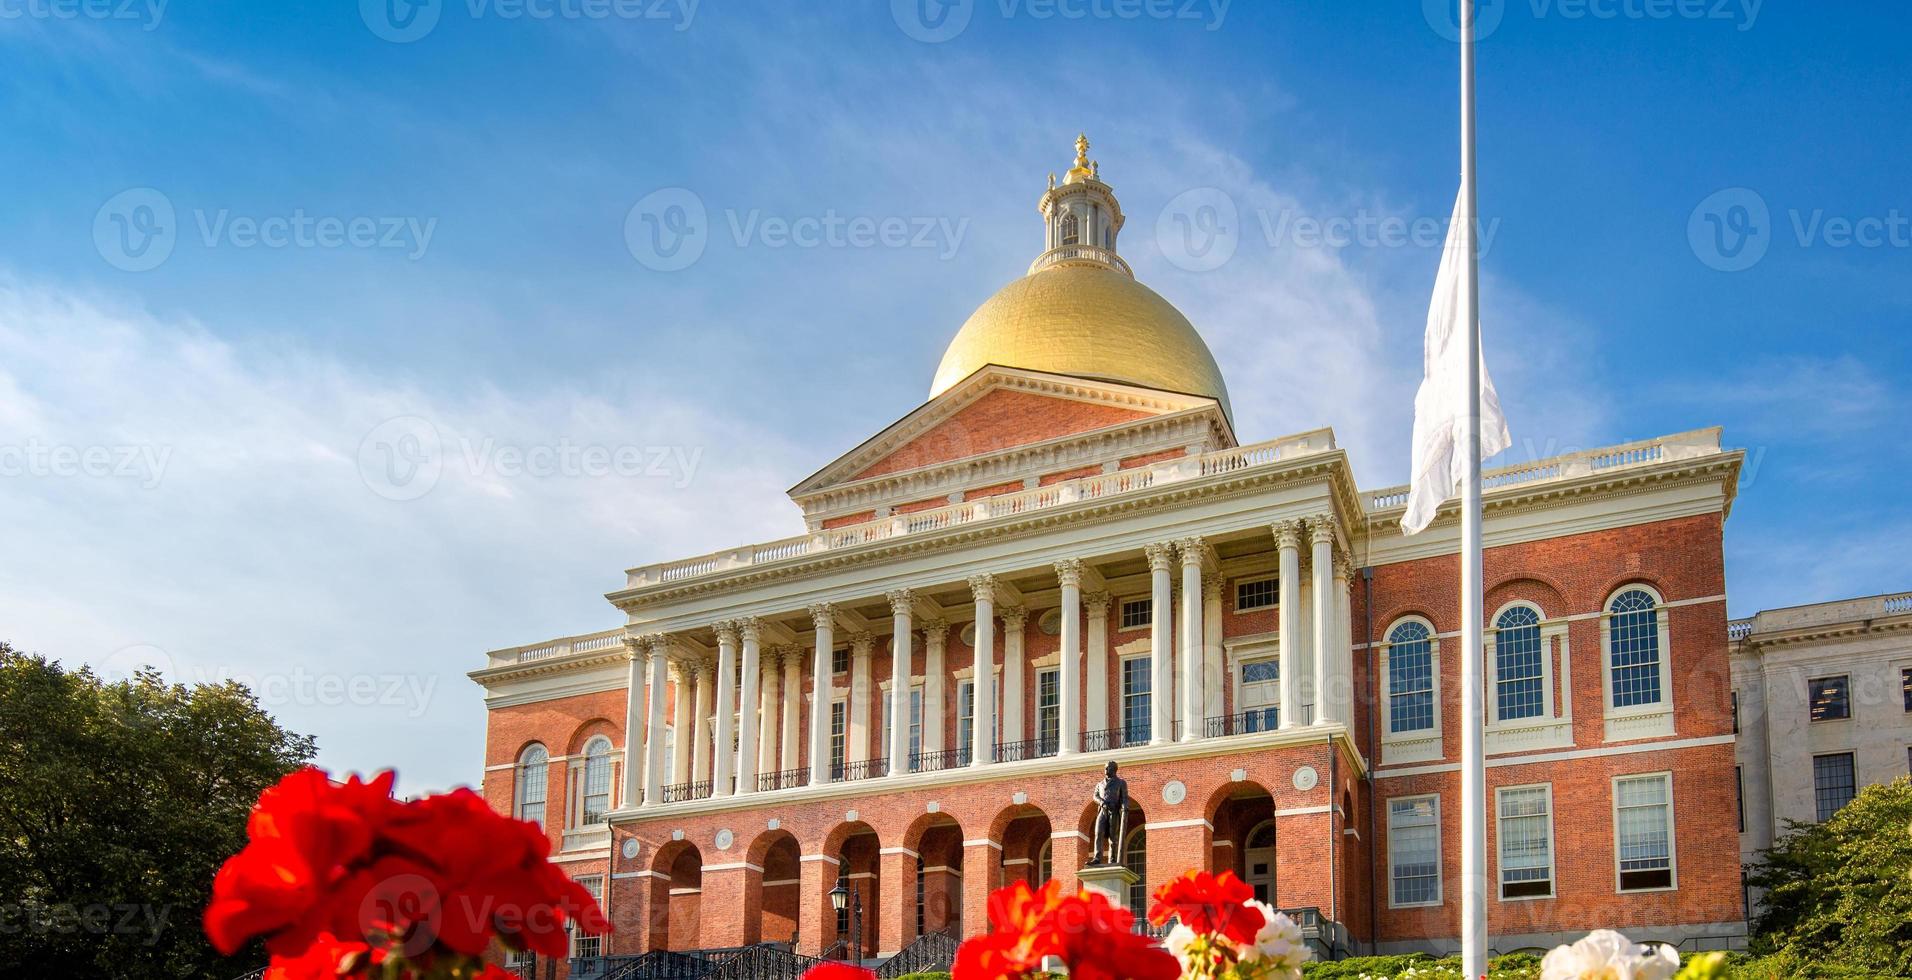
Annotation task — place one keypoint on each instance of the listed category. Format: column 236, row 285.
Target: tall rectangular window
column 1736, row 712
column 965, row 718
column 1049, row 708
column 1634, row 649
column 1831, row 698
column 1136, row 613
column 839, row 714
column 1833, row 783
column 1905, row 686
column 1410, row 672
column 840, row 660
column 1643, row 831
column 1519, row 670
column 1261, row 695
column 1414, row 851
column 1135, row 700
column 1739, row 795
column 582, row 943
column 1526, row 841
column 1258, row 594
column 916, row 725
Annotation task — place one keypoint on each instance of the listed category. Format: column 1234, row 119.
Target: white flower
column 1278, row 942
column 1176, row 942
column 1607, row 955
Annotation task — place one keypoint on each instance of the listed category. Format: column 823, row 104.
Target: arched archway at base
column 676, row 887
column 778, row 893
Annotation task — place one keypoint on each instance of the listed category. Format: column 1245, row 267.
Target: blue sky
column 185, row 445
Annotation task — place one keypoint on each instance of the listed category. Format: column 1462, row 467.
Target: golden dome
column 1086, row 320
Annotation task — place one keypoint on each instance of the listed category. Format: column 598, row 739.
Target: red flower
column 325, row 959
column 1084, row 930
column 838, row 971
column 1209, row 905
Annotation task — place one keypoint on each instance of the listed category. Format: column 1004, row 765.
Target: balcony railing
column 1028, row 748
column 1244, row 722
column 681, row 792
column 1632, row 455
column 1065, row 493
column 1107, row 739
column 867, row 769
column 783, row 779
column 938, row 761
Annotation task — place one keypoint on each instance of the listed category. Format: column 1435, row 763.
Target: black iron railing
column 1106, row 739
column 680, row 792
column 932, row 952
column 867, row 769
column 1028, row 748
column 936, row 761
column 1244, row 722
column 783, row 779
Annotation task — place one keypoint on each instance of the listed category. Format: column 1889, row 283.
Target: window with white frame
column 584, row 943
column 1410, row 674
column 533, row 782
column 916, row 725
column 1519, row 665
column 1258, row 593
column 597, row 781
column 1049, row 707
column 1634, row 656
column 1526, row 838
column 1259, row 697
column 839, row 733
column 1643, row 831
column 1414, row 851
column 965, row 718
column 1136, row 700
column 1045, row 864
column 1136, row 613
column 840, row 660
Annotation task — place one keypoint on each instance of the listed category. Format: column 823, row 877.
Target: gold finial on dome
column 1083, row 169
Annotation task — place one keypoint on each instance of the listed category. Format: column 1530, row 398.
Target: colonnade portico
column 1090, row 702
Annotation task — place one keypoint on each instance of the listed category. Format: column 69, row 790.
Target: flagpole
column 1473, row 760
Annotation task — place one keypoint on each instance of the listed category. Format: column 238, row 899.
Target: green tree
column 118, row 802
column 1840, row 891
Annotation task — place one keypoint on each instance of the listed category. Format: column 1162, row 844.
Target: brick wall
column 1000, row 419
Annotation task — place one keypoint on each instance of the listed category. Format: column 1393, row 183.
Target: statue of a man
column 1111, row 820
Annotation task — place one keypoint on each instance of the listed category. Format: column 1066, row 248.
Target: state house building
column 1067, row 556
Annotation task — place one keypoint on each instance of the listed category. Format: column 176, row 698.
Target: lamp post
column 840, row 898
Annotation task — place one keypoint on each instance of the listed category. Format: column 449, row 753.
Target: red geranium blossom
column 1091, row 936
column 838, row 971
column 1209, row 905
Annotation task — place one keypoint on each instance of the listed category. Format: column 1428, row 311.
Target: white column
column 654, row 729
column 821, row 693
column 1096, row 687
column 1069, row 574
column 1342, row 665
column 1161, row 645
column 634, row 729
column 680, row 722
column 983, row 733
column 701, row 749
column 770, row 700
column 1190, row 681
column 1214, row 673
column 1288, row 620
column 1015, row 668
column 935, row 683
column 856, row 747
column 1322, row 535
column 901, row 633
column 723, row 758
column 748, row 706
column 792, row 710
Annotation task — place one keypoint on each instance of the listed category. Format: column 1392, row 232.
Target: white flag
column 1440, row 407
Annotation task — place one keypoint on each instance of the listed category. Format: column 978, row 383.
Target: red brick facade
column 1000, row 419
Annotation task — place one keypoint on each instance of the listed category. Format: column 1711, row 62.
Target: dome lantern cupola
column 1081, row 218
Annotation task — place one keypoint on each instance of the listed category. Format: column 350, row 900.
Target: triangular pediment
column 1000, row 409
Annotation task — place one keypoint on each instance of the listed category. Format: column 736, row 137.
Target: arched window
column 1410, row 673
column 1519, row 668
column 1633, row 648
column 1071, row 229
column 533, row 779
column 1135, row 857
column 1045, row 865
column 597, row 779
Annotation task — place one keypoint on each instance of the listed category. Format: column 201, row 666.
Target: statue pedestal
column 1112, row 880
